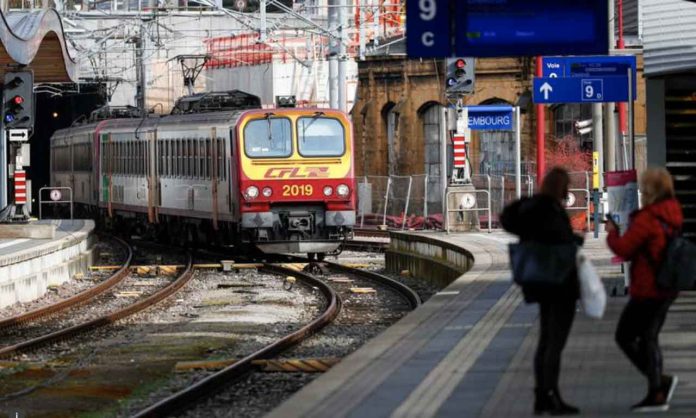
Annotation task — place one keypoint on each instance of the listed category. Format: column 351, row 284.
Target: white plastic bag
column 593, row 297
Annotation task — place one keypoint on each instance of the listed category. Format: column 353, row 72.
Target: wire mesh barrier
column 415, row 202
column 397, row 202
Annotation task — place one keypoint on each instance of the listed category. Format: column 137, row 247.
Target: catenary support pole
column 518, row 153
column 631, row 126
column 443, row 158
column 342, row 54
column 610, row 108
column 540, row 130
column 333, row 54
column 263, row 30
column 621, row 44
column 598, row 131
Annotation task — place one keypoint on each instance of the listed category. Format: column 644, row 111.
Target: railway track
column 90, row 295
column 208, row 386
column 216, row 381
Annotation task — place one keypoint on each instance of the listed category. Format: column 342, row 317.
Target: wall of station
column 395, row 96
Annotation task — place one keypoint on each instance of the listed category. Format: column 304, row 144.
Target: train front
column 296, row 179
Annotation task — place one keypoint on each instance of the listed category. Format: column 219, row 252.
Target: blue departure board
column 494, row 28
column 500, row 28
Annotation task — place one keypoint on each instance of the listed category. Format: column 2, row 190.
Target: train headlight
column 328, row 191
column 267, row 192
column 252, row 192
column 342, row 190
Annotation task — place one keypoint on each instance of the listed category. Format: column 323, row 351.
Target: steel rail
column 409, row 294
column 104, row 320
column 205, row 387
column 74, row 300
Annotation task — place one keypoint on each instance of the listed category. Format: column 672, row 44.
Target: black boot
column 550, row 402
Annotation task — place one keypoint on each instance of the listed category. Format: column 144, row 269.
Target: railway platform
column 467, row 352
column 29, row 265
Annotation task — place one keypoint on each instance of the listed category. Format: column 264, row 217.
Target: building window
column 565, row 117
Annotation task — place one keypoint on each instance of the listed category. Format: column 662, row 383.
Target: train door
column 151, row 170
column 231, row 167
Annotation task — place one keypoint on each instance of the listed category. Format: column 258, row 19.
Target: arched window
column 566, row 115
column 431, row 119
column 390, row 119
column 496, row 149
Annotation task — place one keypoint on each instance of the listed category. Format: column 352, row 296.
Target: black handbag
column 534, row 263
column 677, row 271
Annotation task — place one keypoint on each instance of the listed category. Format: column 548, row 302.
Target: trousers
column 637, row 336
column 556, row 316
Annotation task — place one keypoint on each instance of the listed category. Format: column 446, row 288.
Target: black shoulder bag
column 534, row 263
column 677, row 271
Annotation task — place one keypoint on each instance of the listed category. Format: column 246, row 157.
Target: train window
column 201, row 157
column 168, row 151
column 117, row 157
column 184, row 157
column 220, row 158
column 268, row 137
column 179, row 158
column 191, row 158
column 320, row 137
column 165, row 157
column 208, row 158
column 128, row 157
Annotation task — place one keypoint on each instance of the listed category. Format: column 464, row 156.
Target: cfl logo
column 296, row 172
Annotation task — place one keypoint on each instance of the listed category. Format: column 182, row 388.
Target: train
column 220, row 169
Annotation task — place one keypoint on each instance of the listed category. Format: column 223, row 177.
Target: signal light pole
column 17, row 124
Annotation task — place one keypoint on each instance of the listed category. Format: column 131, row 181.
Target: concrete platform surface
column 468, row 353
column 29, row 265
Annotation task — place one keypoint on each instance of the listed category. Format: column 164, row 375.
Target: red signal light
column 460, row 64
column 18, row 100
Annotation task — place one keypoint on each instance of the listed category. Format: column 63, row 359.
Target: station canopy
column 36, row 40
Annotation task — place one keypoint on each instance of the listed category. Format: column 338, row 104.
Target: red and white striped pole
column 20, row 180
column 459, row 150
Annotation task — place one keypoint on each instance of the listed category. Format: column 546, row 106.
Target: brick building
column 397, row 116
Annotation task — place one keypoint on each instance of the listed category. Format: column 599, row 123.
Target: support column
column 333, row 55
column 610, row 134
column 540, row 131
column 342, row 54
column 598, row 130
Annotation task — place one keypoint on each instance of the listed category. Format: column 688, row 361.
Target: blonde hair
column 656, row 184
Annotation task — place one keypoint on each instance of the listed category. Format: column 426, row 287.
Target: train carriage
column 281, row 179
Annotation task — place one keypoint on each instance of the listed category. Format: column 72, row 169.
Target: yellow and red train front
column 296, row 181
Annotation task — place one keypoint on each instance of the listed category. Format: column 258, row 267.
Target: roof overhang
column 36, row 41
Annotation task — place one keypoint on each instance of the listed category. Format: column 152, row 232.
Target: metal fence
column 412, row 202
column 395, row 201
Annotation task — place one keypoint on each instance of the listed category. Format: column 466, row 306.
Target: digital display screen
column 497, row 28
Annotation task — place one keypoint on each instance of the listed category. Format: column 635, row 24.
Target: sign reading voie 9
column 428, row 28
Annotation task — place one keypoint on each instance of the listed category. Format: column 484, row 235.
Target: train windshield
column 268, row 137
column 320, row 137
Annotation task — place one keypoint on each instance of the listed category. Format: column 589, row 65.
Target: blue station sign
column 580, row 89
column 591, row 67
column 490, row 118
column 502, row 28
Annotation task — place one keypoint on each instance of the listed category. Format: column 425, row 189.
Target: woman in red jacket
column 644, row 244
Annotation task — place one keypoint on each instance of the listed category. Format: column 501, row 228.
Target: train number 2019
column 298, row 190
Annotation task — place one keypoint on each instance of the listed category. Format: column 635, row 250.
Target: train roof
column 227, row 118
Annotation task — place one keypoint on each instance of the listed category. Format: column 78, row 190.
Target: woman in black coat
column 542, row 218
